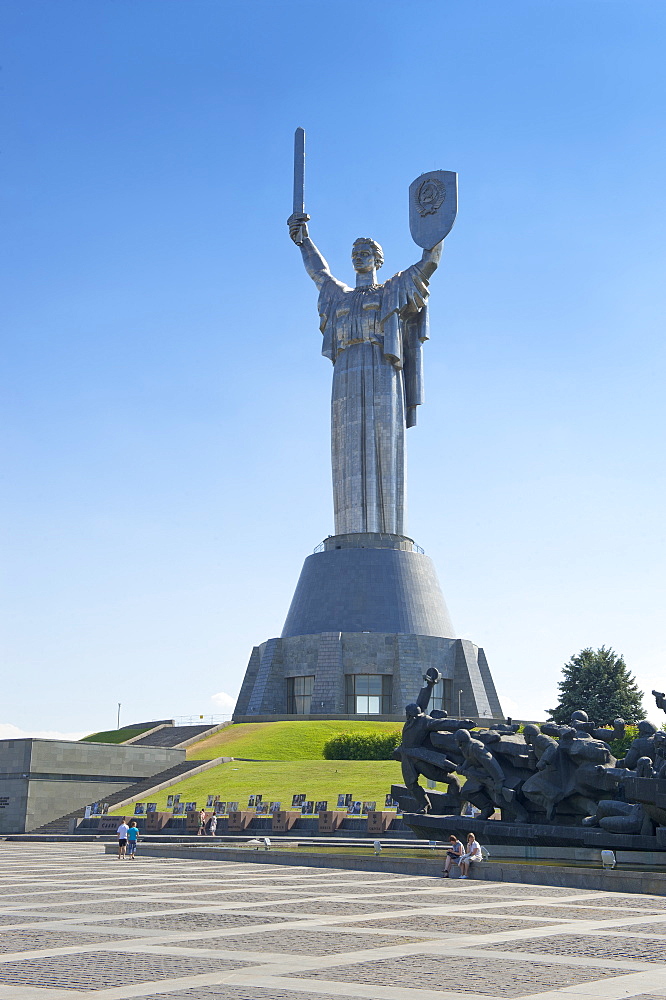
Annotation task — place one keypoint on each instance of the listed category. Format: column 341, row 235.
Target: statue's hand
column 298, row 229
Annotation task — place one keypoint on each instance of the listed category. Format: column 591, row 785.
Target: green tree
column 598, row 682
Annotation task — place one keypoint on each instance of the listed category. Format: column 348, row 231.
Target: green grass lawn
column 279, row 780
column 114, row 735
column 281, row 740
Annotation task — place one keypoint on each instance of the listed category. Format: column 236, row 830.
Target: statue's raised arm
column 315, row 263
column 430, row 260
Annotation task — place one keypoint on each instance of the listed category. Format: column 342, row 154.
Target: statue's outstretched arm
column 430, row 260
column 314, row 261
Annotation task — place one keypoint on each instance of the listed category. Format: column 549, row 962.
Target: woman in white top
column 473, row 853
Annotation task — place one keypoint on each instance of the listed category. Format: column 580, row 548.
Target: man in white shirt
column 122, row 838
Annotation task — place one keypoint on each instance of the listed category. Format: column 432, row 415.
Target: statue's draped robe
column 374, row 337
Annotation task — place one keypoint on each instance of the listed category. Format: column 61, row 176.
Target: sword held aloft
column 299, row 215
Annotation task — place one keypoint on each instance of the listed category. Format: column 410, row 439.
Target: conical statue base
column 366, row 621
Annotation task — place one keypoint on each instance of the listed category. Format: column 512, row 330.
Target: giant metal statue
column 373, row 334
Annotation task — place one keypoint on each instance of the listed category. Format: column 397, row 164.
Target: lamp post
column 459, row 697
column 118, row 715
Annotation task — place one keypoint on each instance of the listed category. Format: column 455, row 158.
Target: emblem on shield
column 430, row 196
column 433, row 203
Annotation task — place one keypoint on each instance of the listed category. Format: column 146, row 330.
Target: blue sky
column 164, row 402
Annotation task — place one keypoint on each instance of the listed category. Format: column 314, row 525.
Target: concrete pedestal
column 366, row 604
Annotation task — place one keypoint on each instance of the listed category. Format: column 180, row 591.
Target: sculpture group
column 546, row 775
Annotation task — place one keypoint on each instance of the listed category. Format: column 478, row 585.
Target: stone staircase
column 136, row 791
column 173, row 736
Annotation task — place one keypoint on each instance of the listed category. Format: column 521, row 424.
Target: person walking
column 202, row 823
column 122, row 838
column 453, row 855
column 212, row 825
column 132, row 838
column 472, row 854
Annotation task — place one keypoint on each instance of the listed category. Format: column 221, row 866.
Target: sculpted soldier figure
column 643, row 746
column 581, row 723
column 486, row 784
column 416, row 753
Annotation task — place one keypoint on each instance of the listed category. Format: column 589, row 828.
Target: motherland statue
column 368, row 617
column 373, row 334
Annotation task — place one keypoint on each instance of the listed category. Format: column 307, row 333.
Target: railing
column 201, row 720
column 322, row 546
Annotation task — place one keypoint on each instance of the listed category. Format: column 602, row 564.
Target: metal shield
column 433, row 203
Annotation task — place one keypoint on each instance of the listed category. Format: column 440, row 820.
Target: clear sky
column 164, row 402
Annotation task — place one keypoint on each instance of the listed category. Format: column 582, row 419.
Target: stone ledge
column 613, row 880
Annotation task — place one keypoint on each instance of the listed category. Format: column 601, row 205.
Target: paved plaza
column 78, row 923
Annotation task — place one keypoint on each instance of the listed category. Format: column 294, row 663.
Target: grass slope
column 114, row 735
column 279, row 780
column 281, row 740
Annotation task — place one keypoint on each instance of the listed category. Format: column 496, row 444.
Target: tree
column 598, row 682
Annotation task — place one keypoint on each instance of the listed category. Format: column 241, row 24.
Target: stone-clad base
column 366, row 603
column 331, row 656
column 431, row 827
column 368, row 583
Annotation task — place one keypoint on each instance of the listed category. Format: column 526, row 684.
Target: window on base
column 368, row 694
column 299, row 695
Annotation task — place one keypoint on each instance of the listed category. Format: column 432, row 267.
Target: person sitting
column 453, row 855
column 472, row 853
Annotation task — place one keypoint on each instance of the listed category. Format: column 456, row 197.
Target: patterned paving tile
column 102, row 970
column 138, row 906
column 300, row 942
column 656, row 928
column 565, row 912
column 29, row 940
column 223, row 992
column 496, row 978
column 647, row 996
column 19, row 918
column 454, row 924
column 219, row 897
column 198, row 921
column 35, row 900
column 611, row 946
column 336, row 908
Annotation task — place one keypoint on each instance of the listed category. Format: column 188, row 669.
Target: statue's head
column 577, row 717
column 366, row 255
column 413, row 711
column 462, row 736
column 530, row 732
column 646, row 728
column 644, row 767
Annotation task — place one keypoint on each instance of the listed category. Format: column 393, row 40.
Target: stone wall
column 330, row 656
column 41, row 780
